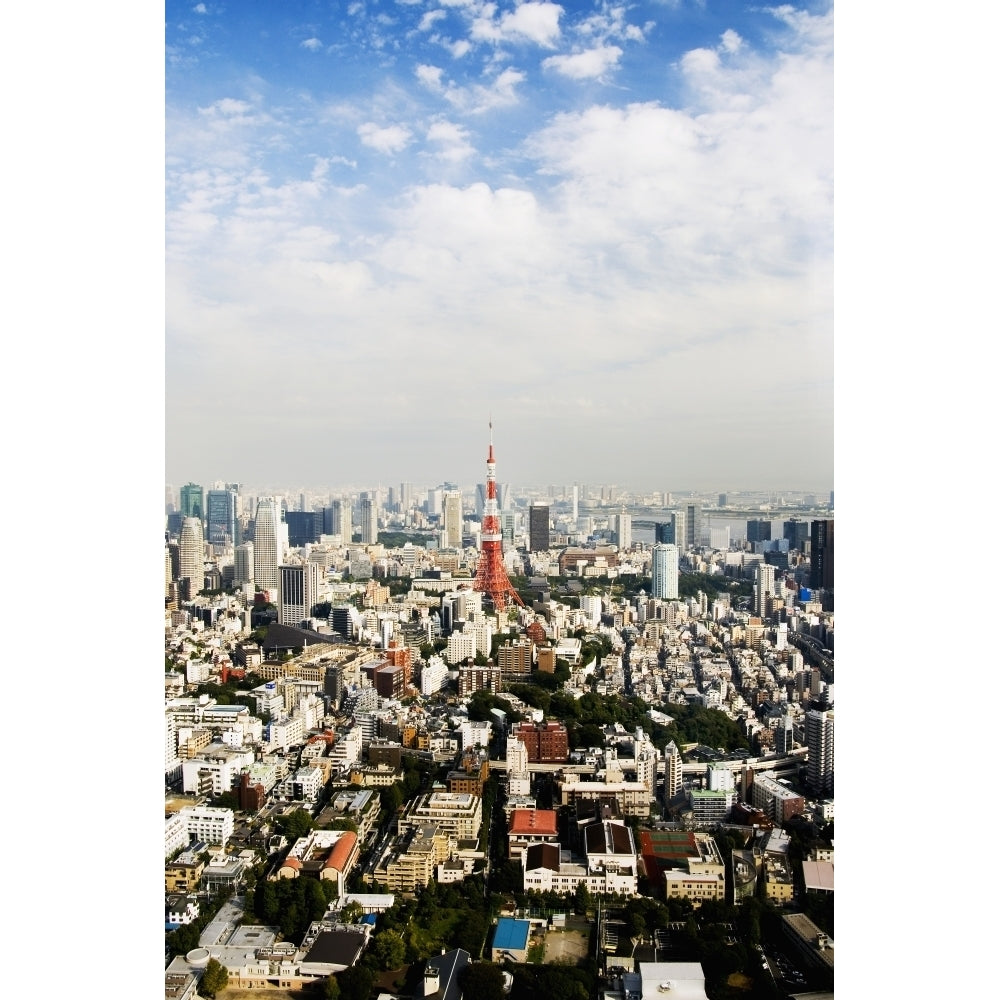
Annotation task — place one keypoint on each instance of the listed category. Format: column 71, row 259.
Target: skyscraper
column 796, row 532
column 758, row 531
column 819, row 743
column 243, row 567
column 821, row 555
column 369, row 520
column 538, row 527
column 337, row 520
column 192, row 500
column 665, row 572
column 452, row 520
column 267, row 544
column 221, row 521
column 298, row 592
column 623, row 530
column 673, row 531
column 692, row 528
column 763, row 590
column 192, row 555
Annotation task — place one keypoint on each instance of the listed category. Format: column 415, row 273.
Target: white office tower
column 433, row 676
column 673, row 771
column 819, row 743
column 243, row 567
column 719, row 538
column 763, row 590
column 435, row 498
column 369, row 521
column 665, row 572
column 192, row 554
column 452, row 520
column 591, row 607
column 646, row 759
column 518, row 776
column 720, row 778
column 576, row 503
column 267, row 553
column 623, row 530
column 298, row 592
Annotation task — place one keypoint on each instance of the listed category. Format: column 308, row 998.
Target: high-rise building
column 538, row 527
column 763, row 590
column 623, row 530
column 192, row 555
column 665, row 572
column 405, row 496
column 452, row 520
column 692, row 527
column 821, row 555
column 243, row 567
column 797, row 533
column 298, row 592
column 337, row 520
column 819, row 744
column 304, row 527
column 192, row 500
column 515, row 659
column 758, row 531
column 267, row 548
column 369, row 520
column 673, row 531
column 221, row 517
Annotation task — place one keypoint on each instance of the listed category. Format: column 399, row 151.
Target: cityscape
column 481, row 740
column 498, row 500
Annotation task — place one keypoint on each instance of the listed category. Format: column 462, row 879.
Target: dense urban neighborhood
column 489, row 745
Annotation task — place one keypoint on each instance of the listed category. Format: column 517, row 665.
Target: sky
column 606, row 227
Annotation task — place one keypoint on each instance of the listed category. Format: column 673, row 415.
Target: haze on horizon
column 606, row 226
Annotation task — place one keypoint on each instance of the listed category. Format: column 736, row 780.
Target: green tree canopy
column 481, row 980
column 295, row 824
column 215, row 978
column 356, row 982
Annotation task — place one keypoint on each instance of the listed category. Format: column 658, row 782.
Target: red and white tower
column 491, row 577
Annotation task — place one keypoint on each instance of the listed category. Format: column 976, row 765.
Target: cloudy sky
column 608, row 226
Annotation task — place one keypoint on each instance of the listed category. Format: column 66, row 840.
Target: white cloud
column 312, row 44
column 592, row 64
column 430, row 19
column 200, row 8
column 731, row 41
column 532, row 21
column 538, row 22
column 391, row 139
column 478, row 98
column 453, row 141
column 228, row 106
column 430, row 77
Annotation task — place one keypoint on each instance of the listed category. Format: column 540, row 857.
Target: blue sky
column 608, row 225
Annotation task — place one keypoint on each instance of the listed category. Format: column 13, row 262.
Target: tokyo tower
column 491, row 577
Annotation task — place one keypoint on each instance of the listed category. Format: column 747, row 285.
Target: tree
column 295, row 824
column 388, row 950
column 582, row 900
column 331, row 988
column 215, row 978
column 355, row 983
column 481, row 980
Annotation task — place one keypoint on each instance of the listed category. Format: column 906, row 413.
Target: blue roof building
column 511, row 940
